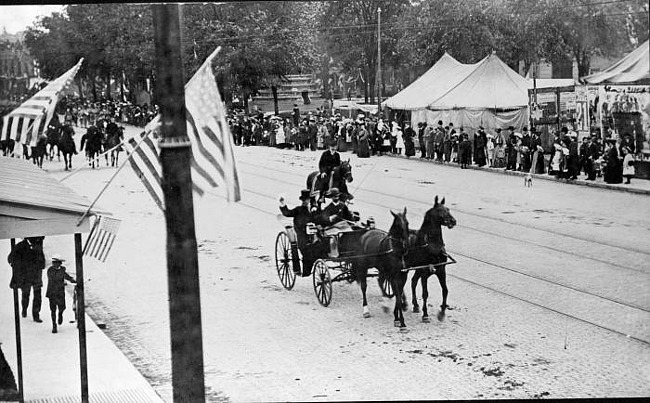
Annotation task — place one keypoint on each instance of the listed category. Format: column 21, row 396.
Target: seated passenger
column 337, row 218
column 302, row 215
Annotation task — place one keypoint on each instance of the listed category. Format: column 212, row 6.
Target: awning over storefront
column 32, row 203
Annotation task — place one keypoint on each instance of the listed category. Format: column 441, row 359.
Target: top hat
column 305, row 194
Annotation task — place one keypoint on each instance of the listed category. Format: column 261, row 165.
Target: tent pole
column 19, row 349
column 81, row 317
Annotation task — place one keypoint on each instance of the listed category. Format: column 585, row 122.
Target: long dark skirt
column 363, row 150
column 614, row 171
column 409, row 148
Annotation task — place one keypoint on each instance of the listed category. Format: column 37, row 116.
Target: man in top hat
column 303, row 215
column 329, row 160
column 56, row 277
column 338, row 218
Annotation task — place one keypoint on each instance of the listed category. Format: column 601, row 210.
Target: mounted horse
column 385, row 252
column 53, row 138
column 113, row 139
column 426, row 247
column 92, row 140
column 337, row 179
column 39, row 151
column 67, row 146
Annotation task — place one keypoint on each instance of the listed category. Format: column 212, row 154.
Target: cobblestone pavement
column 550, row 282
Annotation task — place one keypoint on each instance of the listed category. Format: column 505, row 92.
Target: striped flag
column 101, row 237
column 30, row 119
column 213, row 162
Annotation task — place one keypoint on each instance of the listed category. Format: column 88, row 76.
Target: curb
column 579, row 182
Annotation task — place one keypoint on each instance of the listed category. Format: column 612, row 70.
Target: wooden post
column 19, row 348
column 81, row 317
column 182, row 259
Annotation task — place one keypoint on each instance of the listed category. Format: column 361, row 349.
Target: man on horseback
column 329, row 160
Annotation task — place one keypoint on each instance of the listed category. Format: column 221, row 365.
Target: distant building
column 18, row 69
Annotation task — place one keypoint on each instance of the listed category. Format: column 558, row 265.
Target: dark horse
column 113, row 139
column 427, row 247
column 92, row 140
column 53, row 139
column 385, row 252
column 39, row 151
column 67, row 146
column 337, row 179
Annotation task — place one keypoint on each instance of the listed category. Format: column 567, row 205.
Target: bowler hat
column 305, row 194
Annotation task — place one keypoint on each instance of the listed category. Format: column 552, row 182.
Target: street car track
column 632, row 306
column 488, row 218
column 502, row 267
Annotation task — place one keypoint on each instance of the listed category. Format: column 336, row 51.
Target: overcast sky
column 18, row 18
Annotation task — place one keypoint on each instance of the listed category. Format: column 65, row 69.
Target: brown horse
column 385, row 252
column 426, row 247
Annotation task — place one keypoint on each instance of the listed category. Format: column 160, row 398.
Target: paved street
column 549, row 297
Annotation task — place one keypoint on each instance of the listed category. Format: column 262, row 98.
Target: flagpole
column 101, row 192
column 188, row 381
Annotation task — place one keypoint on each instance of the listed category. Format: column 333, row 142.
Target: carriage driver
column 302, row 215
column 337, row 217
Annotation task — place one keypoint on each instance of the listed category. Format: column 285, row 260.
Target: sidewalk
column 638, row 186
column 51, row 370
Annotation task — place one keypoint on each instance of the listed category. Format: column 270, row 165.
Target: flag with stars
column 213, row 163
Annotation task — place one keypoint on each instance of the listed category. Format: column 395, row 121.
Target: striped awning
column 24, row 123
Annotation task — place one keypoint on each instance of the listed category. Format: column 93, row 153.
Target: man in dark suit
column 303, row 215
column 329, row 160
column 337, row 217
column 593, row 153
column 28, row 262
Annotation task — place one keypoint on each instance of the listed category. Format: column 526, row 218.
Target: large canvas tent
column 633, row 69
column 487, row 93
column 431, row 85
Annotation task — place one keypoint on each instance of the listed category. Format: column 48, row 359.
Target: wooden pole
column 379, row 61
column 19, row 348
column 81, row 317
column 182, row 259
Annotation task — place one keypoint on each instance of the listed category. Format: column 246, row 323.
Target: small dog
column 528, row 181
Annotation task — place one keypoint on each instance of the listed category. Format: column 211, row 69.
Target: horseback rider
column 329, row 160
column 303, row 215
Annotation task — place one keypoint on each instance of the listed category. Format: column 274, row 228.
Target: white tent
column 446, row 72
column 632, row 69
column 491, row 95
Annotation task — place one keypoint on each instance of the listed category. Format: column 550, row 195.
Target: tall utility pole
column 182, row 261
column 379, row 61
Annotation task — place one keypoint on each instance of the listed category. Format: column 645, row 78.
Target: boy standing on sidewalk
column 56, row 277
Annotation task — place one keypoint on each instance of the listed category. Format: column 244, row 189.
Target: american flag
column 26, row 122
column 101, row 237
column 213, row 162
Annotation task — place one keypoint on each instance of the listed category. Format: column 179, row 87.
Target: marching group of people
column 27, row 261
column 504, row 148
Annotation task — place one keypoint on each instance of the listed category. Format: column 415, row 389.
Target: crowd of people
column 84, row 113
column 503, row 148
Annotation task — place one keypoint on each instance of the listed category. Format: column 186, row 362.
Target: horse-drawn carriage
column 365, row 251
column 338, row 257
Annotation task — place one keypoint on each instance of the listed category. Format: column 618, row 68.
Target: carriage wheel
column 283, row 261
column 386, row 287
column 322, row 282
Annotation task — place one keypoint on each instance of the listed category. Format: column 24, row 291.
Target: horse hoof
column 366, row 314
column 403, row 329
column 397, row 323
column 441, row 316
column 426, row 319
column 416, row 309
